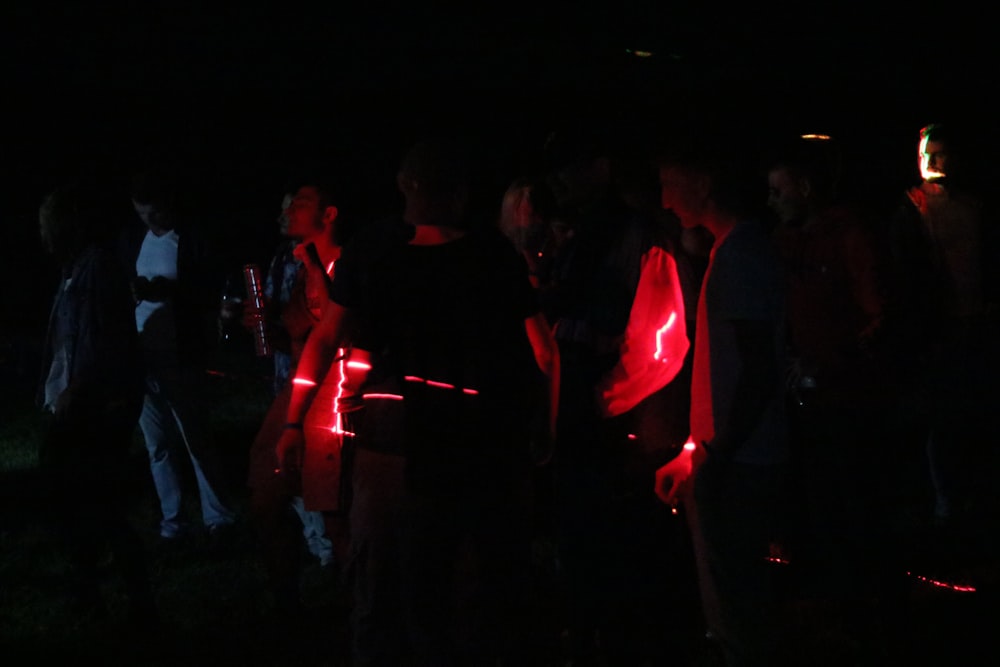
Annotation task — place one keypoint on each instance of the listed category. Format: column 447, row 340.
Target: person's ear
column 701, row 186
column 406, row 184
column 330, row 214
column 805, row 187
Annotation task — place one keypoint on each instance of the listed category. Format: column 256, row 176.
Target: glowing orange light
column 816, row 137
column 660, row 333
column 304, row 382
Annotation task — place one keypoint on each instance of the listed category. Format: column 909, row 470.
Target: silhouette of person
column 174, row 282
column 943, row 301
column 730, row 472
column 453, row 321
column 92, row 388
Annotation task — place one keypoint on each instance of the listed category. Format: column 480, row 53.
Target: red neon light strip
column 304, row 382
column 388, row 397
column 958, row 588
column 442, row 385
column 660, row 333
column 359, row 364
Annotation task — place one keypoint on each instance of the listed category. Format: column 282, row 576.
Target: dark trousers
column 83, row 461
column 731, row 511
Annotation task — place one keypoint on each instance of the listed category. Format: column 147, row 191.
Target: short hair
column 322, row 179
column 440, row 165
column 69, row 220
column 736, row 184
column 816, row 159
column 937, row 132
column 153, row 185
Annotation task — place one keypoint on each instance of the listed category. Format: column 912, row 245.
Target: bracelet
column 295, row 425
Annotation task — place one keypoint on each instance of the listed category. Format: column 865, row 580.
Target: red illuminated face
column 681, row 193
column 305, row 217
column 786, row 195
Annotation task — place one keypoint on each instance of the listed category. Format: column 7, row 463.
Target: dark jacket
column 200, row 276
column 102, row 350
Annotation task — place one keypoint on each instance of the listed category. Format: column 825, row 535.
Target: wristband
column 295, row 425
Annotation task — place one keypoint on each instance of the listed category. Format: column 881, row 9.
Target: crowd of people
column 619, row 345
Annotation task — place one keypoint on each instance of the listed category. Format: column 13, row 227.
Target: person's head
column 802, row 177
column 69, row 221
column 434, row 179
column 935, row 152
column 311, row 209
column 283, row 215
column 706, row 179
column 578, row 165
column 525, row 212
column 153, row 199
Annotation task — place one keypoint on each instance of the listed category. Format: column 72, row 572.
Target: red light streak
column 442, row 385
column 388, row 397
column 338, row 423
column 362, row 365
column 958, row 588
column 304, row 382
column 660, row 333
column 633, row 436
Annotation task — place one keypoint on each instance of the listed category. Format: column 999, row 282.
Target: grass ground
column 215, row 610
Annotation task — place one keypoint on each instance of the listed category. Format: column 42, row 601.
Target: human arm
column 546, row 350
column 758, row 375
column 318, row 355
column 655, row 341
column 673, row 476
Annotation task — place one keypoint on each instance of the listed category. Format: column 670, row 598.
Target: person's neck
column 327, row 249
column 159, row 231
column 435, row 234
column 720, row 223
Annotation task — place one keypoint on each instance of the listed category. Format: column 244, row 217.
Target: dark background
column 236, row 94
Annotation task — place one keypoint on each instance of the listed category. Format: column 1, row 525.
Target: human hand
column 672, row 477
column 290, row 449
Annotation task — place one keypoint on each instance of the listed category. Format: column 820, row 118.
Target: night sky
column 239, row 93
